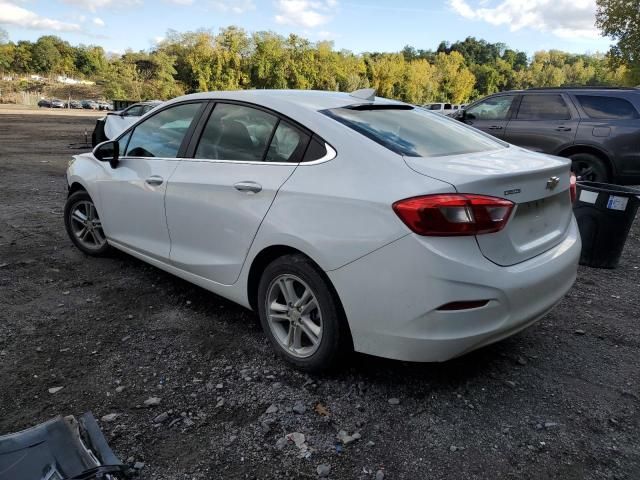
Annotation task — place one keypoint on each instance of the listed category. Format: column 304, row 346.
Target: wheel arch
column 598, row 152
column 75, row 187
column 268, row 255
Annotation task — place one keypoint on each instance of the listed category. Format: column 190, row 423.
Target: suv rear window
column 413, row 132
column 603, row 107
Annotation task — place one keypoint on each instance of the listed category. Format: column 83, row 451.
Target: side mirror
column 108, row 151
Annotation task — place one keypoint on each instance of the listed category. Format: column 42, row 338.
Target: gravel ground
column 185, row 382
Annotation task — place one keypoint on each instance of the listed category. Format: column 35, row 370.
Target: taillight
column 573, row 189
column 454, row 214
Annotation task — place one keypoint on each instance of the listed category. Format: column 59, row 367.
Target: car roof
column 288, row 102
column 576, row 89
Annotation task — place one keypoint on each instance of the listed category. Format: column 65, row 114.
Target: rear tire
column 588, row 167
column 83, row 224
column 301, row 315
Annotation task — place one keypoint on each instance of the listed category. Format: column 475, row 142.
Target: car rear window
column 603, row 107
column 414, row 132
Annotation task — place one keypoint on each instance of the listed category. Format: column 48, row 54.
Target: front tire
column 301, row 314
column 589, row 167
column 83, row 224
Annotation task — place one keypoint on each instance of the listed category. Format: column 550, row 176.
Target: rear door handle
column 563, row 129
column 248, row 187
column 154, row 180
column 495, row 127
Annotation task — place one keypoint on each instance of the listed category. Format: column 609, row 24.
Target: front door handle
column 248, row 187
column 495, row 127
column 563, row 129
column 154, row 180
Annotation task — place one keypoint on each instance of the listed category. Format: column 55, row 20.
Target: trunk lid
column 543, row 211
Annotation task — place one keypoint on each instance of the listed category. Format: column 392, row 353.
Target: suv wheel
column 300, row 314
column 589, row 167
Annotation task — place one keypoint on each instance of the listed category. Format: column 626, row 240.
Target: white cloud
column 93, row 5
column 98, row 22
column 180, row 2
column 11, row 14
column 233, row 6
column 305, row 13
column 563, row 18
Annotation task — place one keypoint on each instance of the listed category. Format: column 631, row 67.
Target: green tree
column 620, row 19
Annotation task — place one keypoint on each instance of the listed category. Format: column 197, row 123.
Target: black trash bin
column 604, row 213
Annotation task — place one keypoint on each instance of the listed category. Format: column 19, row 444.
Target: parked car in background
column 281, row 201
column 44, row 103
column 444, row 108
column 105, row 106
column 55, row 103
column 114, row 123
column 90, row 104
column 597, row 128
column 75, row 104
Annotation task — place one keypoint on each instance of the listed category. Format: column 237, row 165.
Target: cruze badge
column 552, row 183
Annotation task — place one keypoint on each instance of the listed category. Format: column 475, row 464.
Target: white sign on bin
column 617, row 203
column 588, row 197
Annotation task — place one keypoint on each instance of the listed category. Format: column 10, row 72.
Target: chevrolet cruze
column 346, row 221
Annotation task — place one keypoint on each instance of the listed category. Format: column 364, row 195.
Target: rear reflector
column 463, row 305
column 454, row 214
column 573, row 190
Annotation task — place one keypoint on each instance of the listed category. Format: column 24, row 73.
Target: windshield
column 414, row 132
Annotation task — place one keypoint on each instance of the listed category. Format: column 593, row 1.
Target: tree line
column 202, row 60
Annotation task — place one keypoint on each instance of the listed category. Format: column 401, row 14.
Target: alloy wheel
column 294, row 316
column 86, row 225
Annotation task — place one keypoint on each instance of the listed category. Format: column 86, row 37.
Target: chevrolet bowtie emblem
column 552, row 183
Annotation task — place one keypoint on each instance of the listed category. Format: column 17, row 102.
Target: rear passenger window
column 602, row 107
column 287, row 144
column 236, row 132
column 315, row 151
column 543, row 107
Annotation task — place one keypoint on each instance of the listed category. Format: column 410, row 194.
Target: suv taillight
column 573, row 189
column 454, row 214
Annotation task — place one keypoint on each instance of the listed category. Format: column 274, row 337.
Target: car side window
column 236, row 132
column 543, row 107
column 287, row 145
column 495, row 108
column 161, row 134
column 603, row 107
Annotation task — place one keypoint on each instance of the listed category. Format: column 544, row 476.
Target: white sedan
column 347, row 221
column 114, row 123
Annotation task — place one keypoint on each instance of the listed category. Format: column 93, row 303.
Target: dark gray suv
column 598, row 128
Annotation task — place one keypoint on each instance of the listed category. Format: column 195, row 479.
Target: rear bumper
column 391, row 296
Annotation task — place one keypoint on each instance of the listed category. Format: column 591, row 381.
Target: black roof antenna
column 365, row 94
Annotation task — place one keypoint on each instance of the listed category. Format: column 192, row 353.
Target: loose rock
column 394, row 401
column 110, row 417
column 323, row 470
column 299, row 408
column 163, row 417
column 55, row 389
column 152, row 402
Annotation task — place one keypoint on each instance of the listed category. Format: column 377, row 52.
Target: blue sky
column 357, row 25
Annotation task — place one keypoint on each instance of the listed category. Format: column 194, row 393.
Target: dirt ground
column 560, row 400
